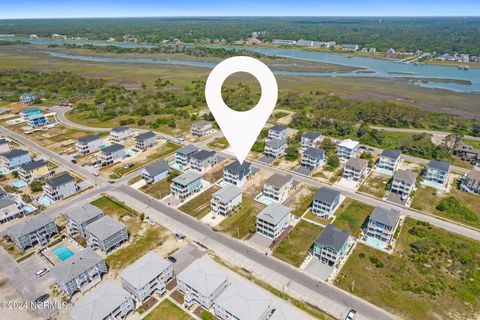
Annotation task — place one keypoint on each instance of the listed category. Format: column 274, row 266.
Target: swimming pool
column 45, row 201
column 63, row 253
column 176, row 166
column 377, row 243
column 265, row 200
column 19, row 184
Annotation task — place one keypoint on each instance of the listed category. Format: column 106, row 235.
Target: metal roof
column 60, row 180
column 104, row 227
column 387, row 217
column 474, row 174
column 83, row 213
column 74, row 266
column 327, row 195
column 29, row 225
column 439, row 165
column 227, row 193
column 391, row 154
column 156, row 168
column 274, row 213
column 187, row 150
column 145, row 269
column 278, row 180
column 332, row 237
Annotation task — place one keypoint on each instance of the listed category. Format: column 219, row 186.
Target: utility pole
column 353, row 285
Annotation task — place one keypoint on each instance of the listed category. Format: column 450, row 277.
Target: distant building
column 203, row 160
column 80, row 272
column 156, row 171
column 226, row 200
column 275, row 148
column 14, row 158
column 146, row 276
column 36, row 229
column 331, row 245
column 10, row 208
column 471, row 182
column 277, row 187
column 391, row 51
column 202, row 282
column 184, row 154
column 28, row 98
column 355, row 169
column 202, row 128
column 347, row 149
column 106, row 234
column 325, row 202
column 468, row 153
column 108, row 302
column 312, row 158
column 112, row 154
column 310, row 140
column 120, row 134
column 279, row 132
column 382, row 224
column 350, row 47
column 186, row 185
column 88, row 144
column 61, row 187
column 33, row 171
column 79, row 217
column 273, row 220
column 27, row 112
column 388, row 161
column 145, row 140
column 284, row 42
column 437, row 174
column 236, row 173
column 403, row 182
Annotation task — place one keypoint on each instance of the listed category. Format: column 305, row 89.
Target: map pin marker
column 241, row 128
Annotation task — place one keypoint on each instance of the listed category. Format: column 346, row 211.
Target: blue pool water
column 176, row 166
column 376, row 243
column 19, row 184
column 222, row 183
column 28, row 210
column 45, row 201
column 63, row 253
column 265, row 200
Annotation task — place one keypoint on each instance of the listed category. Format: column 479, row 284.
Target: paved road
column 443, row 133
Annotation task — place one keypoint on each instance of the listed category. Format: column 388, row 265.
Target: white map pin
column 241, row 128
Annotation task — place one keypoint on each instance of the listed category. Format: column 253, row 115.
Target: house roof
column 187, row 150
column 203, row 275
column 101, row 302
column 392, row 154
column 29, row 225
column 474, row 174
column 80, row 262
column 6, row 201
column 385, row 216
column 14, row 153
column 145, row 136
column 278, row 180
column 3, row 141
column 276, row 143
column 89, row 138
column 278, row 128
column 316, row 153
column 203, row 155
column 83, row 213
column 349, row 144
column 357, row 163
column 244, row 301
column 332, row 237
column 104, row 227
column 120, row 129
column 439, row 165
column 311, row 135
column 187, row 178
column 274, row 213
column 201, row 123
column 228, row 193
column 327, row 195
column 145, row 269
column 33, row 165
column 60, row 180
column 405, row 175
column 113, row 148
column 236, row 167
column 156, row 168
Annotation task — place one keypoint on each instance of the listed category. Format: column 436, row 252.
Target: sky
column 19, row 9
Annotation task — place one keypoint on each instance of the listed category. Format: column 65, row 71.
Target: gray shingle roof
column 385, row 216
column 203, row 155
column 113, row 148
column 327, row 195
column 274, row 213
column 104, row 227
column 88, row 139
column 3, row 141
column 33, row 165
column 236, row 167
column 187, row 150
column 201, row 123
column 311, row 135
column 145, row 136
column 60, row 180
column 83, row 213
column 315, row 153
column 145, row 269
column 276, row 143
column 120, row 129
column 101, row 302
column 392, row 154
column 80, row 262
column 357, row 163
column 14, row 153
column 332, row 237
column 278, row 128
column 157, row 168
column 439, row 165
column 29, row 225
column 187, row 178
column 278, row 180
column 405, row 175
column 228, row 193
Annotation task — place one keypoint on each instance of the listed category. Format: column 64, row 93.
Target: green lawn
column 375, row 185
column 242, row 222
column 219, row 143
column 473, row 143
column 351, row 215
column 163, row 151
column 167, row 310
column 432, row 274
column 312, row 216
column 161, row 188
column 199, row 206
column 457, row 161
column 296, row 245
column 118, row 211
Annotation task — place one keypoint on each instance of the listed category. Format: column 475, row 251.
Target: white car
column 351, row 315
column 42, row 272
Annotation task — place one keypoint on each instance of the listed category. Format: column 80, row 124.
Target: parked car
column 351, row 314
column 74, row 161
column 42, row 272
column 42, row 298
column 128, row 166
column 172, row 259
